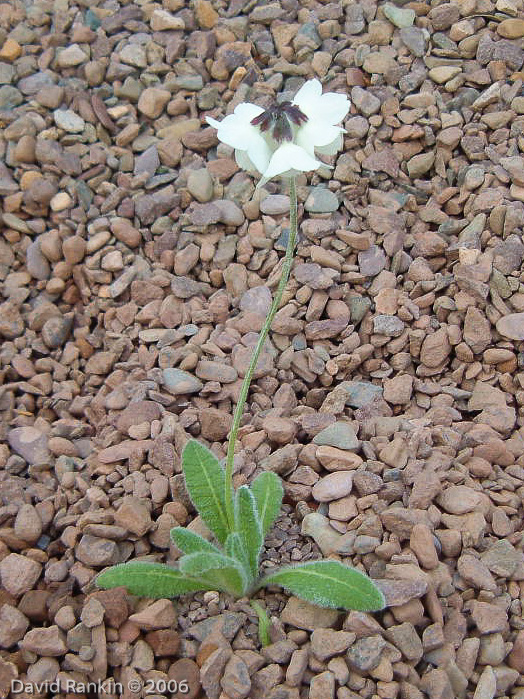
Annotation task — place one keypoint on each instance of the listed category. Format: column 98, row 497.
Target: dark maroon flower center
column 278, row 120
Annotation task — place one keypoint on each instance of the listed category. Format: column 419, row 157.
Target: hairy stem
column 239, row 410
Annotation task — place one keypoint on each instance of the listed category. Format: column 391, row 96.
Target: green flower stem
column 239, row 410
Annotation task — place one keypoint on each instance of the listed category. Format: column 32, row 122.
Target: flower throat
column 278, row 120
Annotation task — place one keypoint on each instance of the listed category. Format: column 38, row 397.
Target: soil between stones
column 136, row 267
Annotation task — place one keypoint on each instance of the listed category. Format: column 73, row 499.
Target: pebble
column 321, row 201
column 137, row 262
column 30, row 444
column 326, row 643
column 97, row 551
column 235, row 680
column 152, row 102
column 322, row 686
column 487, row 685
column 71, row 56
column 179, row 382
column 157, row 615
column 19, row 573
column 459, row 499
column 303, row 615
column 28, row 525
column 60, row 202
column 401, row 18
column 200, row 185
column 333, row 486
column 512, row 28
column 414, row 39
column 161, row 20
column 133, row 515
column 511, row 326
column 476, row 573
column 365, row 101
column 212, row 670
column 371, row 261
column 11, row 322
column 275, row 204
column 13, row 625
column 340, row 435
column 56, row 331
column 442, row 74
column 364, row 654
column 68, row 120
column 388, row 325
column 48, row 642
column 398, row 390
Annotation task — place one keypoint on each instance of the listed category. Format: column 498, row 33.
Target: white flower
column 283, row 139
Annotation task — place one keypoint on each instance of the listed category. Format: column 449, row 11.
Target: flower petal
column 333, row 107
column 236, row 130
column 333, row 147
column 316, row 133
column 308, row 96
column 244, row 161
column 259, row 152
column 213, row 122
column 330, row 108
column 289, row 156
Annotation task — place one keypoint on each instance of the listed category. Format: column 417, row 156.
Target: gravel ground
column 136, row 266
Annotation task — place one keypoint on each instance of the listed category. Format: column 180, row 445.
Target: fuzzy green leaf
column 248, row 526
column 221, row 572
column 263, row 623
column 190, row 542
column 234, row 548
column 205, row 482
column 149, row 580
column 268, row 491
column 329, row 584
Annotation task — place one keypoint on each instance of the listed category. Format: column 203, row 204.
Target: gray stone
column 33, row 83
column 414, row 39
column 512, row 326
column 361, row 393
column 401, row 18
column 256, row 300
column 68, row 120
column 11, row 321
column 30, row 443
column 179, row 382
column 235, row 681
column 200, row 185
column 365, row 101
column 388, row 325
column 37, row 264
column 303, row 615
column 275, row 204
column 97, row 552
column 13, row 625
column 19, row 573
column 333, row 486
column 229, row 213
column 364, row 654
column 10, row 97
column 321, row 201
column 340, row 434
column 56, row 330
column 227, row 624
column 148, row 161
column 504, row 560
column 372, row 261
